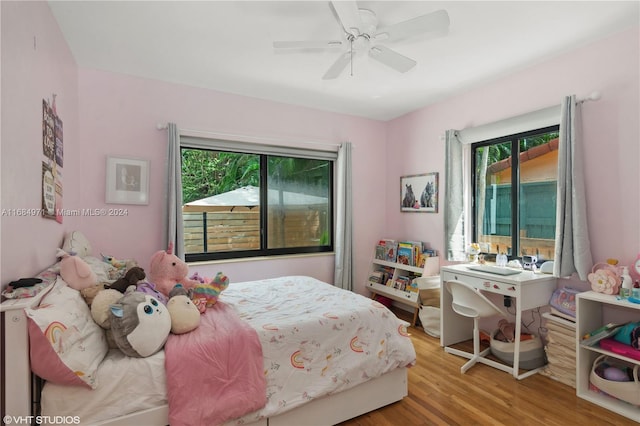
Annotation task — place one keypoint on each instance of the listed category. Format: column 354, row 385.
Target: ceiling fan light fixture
column 369, row 22
column 361, row 32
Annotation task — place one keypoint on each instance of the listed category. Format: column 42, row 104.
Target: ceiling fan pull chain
column 351, row 52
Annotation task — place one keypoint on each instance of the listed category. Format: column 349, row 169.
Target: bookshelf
column 590, row 312
column 395, row 280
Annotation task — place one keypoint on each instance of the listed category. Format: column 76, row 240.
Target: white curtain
column 454, row 219
column 572, row 249
column 344, row 231
column 174, row 232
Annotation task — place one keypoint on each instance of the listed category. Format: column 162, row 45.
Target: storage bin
column 531, row 352
column 429, row 290
column 430, row 320
column 625, row 391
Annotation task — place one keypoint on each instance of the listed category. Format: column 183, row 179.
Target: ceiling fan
column 361, row 33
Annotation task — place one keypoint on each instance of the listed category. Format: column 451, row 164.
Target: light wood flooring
column 440, row 395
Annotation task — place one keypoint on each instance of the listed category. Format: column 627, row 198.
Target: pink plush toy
column 76, row 272
column 167, row 270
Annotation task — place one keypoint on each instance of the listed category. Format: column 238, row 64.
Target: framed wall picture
column 127, row 181
column 419, row 193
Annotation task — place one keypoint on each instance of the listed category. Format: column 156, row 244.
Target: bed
column 328, row 355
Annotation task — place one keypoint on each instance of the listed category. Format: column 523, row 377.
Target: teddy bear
column 185, row 316
column 132, row 277
column 75, row 271
column 89, row 293
column 140, row 324
column 166, row 270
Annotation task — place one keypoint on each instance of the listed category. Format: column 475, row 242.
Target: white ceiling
column 227, row 46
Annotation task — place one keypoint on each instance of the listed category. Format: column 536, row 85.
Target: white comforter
column 317, row 340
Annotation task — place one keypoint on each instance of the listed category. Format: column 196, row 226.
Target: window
column 514, row 182
column 244, row 204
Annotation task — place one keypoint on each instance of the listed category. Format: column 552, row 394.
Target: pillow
column 77, row 243
column 67, row 346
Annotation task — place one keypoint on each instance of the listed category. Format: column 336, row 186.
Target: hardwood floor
column 440, row 395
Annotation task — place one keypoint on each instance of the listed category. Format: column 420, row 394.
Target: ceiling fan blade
column 437, row 21
column 338, row 66
column 311, row 44
column 347, row 14
column 391, row 58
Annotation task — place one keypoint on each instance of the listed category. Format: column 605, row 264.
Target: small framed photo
column 127, row 181
column 419, row 193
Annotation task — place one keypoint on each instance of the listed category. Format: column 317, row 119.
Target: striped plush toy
column 206, row 294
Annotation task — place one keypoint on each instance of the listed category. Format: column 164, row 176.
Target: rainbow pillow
column 66, row 345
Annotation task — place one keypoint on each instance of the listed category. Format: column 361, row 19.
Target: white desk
column 528, row 290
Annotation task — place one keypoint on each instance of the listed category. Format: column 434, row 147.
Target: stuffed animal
column 76, row 242
column 132, row 277
column 76, row 272
column 207, row 294
column 101, row 307
column 185, row 316
column 118, row 266
column 89, row 293
column 140, row 324
column 150, row 289
column 113, row 261
column 167, row 270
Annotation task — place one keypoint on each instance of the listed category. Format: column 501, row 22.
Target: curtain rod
column 246, row 138
column 474, row 133
column 594, row 96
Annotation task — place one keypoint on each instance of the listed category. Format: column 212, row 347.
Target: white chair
column 469, row 302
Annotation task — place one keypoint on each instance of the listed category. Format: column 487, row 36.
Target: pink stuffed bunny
column 167, row 270
column 76, row 272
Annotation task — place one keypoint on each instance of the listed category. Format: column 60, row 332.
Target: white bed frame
column 329, row 410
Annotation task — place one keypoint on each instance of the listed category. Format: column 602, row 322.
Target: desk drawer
column 483, row 283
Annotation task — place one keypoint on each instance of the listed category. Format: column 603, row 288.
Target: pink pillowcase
column 67, row 346
column 45, row 362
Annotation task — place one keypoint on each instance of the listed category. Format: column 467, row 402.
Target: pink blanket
column 214, row 373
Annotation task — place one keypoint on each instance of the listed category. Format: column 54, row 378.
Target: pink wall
column 107, row 114
column 118, row 117
column 36, row 63
column 611, row 135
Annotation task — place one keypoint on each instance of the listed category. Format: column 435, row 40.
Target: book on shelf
column 410, row 253
column 402, row 283
column 430, row 252
column 417, row 247
column 603, row 332
column 391, row 250
column 405, row 254
column 377, row 277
